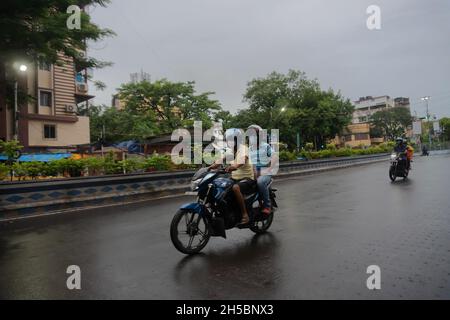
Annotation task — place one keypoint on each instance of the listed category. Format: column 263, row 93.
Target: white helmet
column 233, row 133
column 255, row 127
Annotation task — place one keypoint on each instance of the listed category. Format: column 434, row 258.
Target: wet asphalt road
column 330, row 227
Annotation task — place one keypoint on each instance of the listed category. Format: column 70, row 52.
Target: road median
column 38, row 198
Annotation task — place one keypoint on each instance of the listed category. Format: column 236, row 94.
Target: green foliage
column 131, row 165
column 174, row 104
column 51, row 169
column 19, row 170
column 309, row 146
column 32, row 169
column 110, row 166
column 391, row 122
column 38, row 29
column 445, row 127
column 94, row 165
column 158, row 162
column 10, row 149
column 71, row 167
column 4, row 171
column 294, row 104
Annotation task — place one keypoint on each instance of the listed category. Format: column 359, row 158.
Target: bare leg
column 240, row 200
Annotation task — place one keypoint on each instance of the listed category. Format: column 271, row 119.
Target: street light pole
column 16, row 120
column 426, row 98
column 22, row 68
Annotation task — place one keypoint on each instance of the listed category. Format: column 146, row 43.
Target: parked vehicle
column 399, row 166
column 215, row 211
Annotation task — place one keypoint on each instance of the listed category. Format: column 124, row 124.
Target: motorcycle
column 215, row 211
column 399, row 166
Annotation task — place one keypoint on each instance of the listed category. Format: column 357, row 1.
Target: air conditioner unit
column 70, row 108
column 82, row 87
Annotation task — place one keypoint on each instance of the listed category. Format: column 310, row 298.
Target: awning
column 42, row 157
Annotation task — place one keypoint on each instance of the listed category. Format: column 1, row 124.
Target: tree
column 172, row 104
column 11, row 149
column 37, row 30
column 109, row 125
column 295, row 105
column 391, row 122
column 445, row 127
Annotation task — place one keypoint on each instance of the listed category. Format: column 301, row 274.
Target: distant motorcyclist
column 424, row 150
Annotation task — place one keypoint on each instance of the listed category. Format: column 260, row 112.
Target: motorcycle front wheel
column 392, row 173
column 189, row 232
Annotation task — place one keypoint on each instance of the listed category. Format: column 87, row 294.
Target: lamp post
column 22, row 68
column 426, row 98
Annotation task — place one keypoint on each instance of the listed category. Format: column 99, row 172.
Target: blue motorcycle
column 215, row 211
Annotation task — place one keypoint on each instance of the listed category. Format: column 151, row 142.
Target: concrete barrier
column 34, row 198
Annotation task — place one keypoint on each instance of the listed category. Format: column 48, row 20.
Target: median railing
column 26, row 198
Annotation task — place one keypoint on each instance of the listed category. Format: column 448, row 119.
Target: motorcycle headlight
column 393, row 156
column 194, row 184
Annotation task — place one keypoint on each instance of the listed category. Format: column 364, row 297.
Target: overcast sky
column 223, row 44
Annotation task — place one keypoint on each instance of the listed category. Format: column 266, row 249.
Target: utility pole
column 426, row 98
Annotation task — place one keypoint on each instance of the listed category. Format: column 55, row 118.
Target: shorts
column 246, row 185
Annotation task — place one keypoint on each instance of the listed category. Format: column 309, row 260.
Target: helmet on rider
column 255, row 127
column 231, row 134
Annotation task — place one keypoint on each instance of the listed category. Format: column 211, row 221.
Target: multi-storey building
column 49, row 120
column 365, row 107
column 358, row 132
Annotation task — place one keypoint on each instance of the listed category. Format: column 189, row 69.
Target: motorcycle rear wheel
column 263, row 225
column 192, row 225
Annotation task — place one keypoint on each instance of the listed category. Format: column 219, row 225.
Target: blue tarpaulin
column 42, row 157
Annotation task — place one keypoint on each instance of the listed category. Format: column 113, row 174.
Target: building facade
column 365, row 107
column 48, row 121
column 357, row 134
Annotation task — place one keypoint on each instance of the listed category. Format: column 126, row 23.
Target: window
column 45, row 66
column 45, row 99
column 49, row 131
column 348, row 137
column 362, row 119
column 361, row 136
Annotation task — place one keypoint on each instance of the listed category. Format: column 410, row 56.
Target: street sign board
column 417, row 127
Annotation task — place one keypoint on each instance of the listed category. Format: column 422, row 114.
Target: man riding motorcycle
column 402, row 147
column 241, row 168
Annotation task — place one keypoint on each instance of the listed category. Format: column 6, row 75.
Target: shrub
column 110, row 166
column 309, row 146
column 158, row 162
column 32, row 169
column 19, row 170
column 4, row 171
column 72, row 167
column 343, row 152
column 131, row 165
column 94, row 165
column 50, row 169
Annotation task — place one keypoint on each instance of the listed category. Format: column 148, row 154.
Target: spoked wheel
column 263, row 225
column 189, row 232
column 392, row 174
